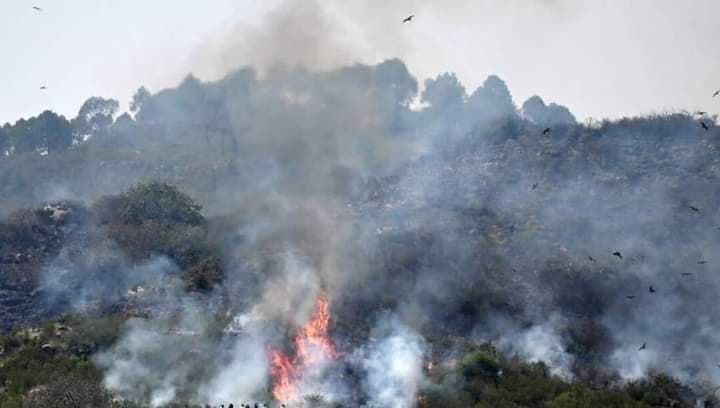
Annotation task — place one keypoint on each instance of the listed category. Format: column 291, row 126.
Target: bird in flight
column 408, row 19
column 687, row 274
column 694, row 208
column 36, row 8
column 546, row 131
column 704, row 126
column 534, row 186
column 618, row 254
column 702, row 262
column 591, row 259
column 716, row 93
column 643, row 347
column 651, row 289
column 43, row 87
column 630, row 296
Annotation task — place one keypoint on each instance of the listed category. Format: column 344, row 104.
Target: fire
column 312, row 346
column 283, row 372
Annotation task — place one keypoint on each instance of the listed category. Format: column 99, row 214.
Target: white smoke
column 245, row 375
column 394, row 366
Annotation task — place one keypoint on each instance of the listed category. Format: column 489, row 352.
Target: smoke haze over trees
column 432, row 217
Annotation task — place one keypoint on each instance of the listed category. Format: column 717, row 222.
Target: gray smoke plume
column 394, row 365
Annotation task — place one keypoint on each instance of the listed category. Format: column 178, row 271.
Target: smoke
column 394, row 365
column 244, row 377
column 540, row 343
column 153, row 361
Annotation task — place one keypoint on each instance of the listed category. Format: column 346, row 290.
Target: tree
column 48, row 132
column 4, row 142
column 161, row 202
column 55, row 132
column 444, row 92
column 141, row 96
column 491, row 101
column 546, row 115
column 94, row 118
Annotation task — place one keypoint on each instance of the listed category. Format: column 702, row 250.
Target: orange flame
column 312, row 346
column 283, row 371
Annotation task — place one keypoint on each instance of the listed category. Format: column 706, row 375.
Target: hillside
column 472, row 253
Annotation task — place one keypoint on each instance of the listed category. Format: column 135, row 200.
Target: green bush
column 160, row 202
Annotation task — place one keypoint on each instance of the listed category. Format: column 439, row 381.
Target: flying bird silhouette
column 651, row 289
column 701, row 262
column 408, row 19
column 534, row 186
column 630, row 296
column 42, row 88
column 36, row 8
column 643, row 347
column 686, row 273
column 716, row 93
column 694, row 208
column 546, row 131
column 618, row 254
column 704, row 126
column 591, row 259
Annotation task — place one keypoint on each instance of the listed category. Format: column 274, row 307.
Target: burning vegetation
column 313, row 348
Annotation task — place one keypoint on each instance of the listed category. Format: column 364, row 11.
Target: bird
column 591, row 259
column 36, row 8
column 694, row 208
column 651, row 289
column 686, row 273
column 408, row 19
column 514, row 270
column 618, row 254
column 643, row 347
column 716, row 93
column 534, row 186
column 701, row 262
column 630, row 296
column 546, row 131
column 704, row 126
column 42, row 88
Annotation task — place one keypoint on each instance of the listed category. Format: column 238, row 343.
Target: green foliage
column 156, row 218
column 205, row 275
column 658, row 390
column 40, row 371
column 479, row 364
column 155, row 201
column 482, row 379
column 48, row 132
column 95, row 118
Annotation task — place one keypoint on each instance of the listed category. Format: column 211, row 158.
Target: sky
column 602, row 59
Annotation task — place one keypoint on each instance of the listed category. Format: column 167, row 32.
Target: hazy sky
column 600, row 58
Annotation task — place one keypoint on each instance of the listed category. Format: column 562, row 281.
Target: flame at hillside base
column 313, row 346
